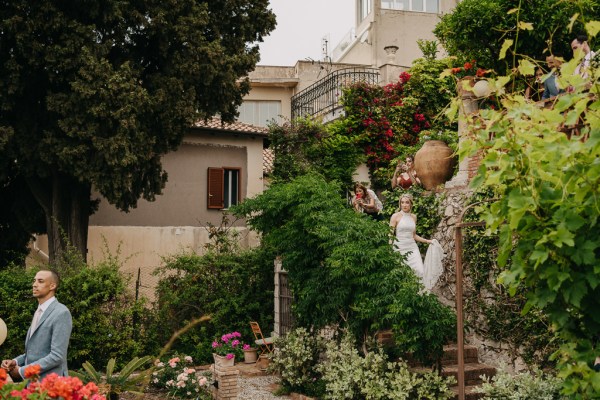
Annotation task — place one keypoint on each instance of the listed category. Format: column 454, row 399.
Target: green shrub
column 102, row 308
column 233, row 289
column 522, row 386
column 342, row 268
column 105, row 315
column 177, row 376
column 296, row 359
column 348, row 375
column 16, row 307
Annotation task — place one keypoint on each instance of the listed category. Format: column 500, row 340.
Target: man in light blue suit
column 48, row 336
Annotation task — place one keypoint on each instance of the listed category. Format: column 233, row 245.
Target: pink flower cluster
column 228, row 345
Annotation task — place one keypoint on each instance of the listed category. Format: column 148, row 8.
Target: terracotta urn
column 434, row 163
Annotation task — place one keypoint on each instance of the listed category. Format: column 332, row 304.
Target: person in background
column 48, row 336
column 551, row 87
column 405, row 175
column 580, row 43
column 365, row 200
column 535, row 90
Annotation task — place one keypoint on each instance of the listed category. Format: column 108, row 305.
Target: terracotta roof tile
column 268, row 158
column 215, row 123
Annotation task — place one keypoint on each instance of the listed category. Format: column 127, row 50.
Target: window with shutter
column 215, row 188
column 224, row 187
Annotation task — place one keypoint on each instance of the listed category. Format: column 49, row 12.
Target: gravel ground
column 258, row 388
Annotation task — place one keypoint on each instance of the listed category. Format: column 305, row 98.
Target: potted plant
column 227, row 348
column 250, row 354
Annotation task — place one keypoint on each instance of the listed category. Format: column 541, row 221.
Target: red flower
column 456, row 70
column 468, row 65
column 3, row 377
column 32, row 370
column 480, row 72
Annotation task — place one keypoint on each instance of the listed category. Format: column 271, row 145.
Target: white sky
column 300, row 26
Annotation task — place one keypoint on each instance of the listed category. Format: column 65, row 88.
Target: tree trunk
column 66, row 203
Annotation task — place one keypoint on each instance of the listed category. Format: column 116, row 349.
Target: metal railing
column 324, row 95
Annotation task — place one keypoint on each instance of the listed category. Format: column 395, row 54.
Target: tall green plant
column 542, row 165
column 233, row 288
column 307, row 145
column 102, row 306
column 476, row 29
column 342, row 267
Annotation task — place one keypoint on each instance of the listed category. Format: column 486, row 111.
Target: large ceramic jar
column 434, row 163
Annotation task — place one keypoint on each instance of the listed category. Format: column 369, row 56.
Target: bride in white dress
column 405, row 224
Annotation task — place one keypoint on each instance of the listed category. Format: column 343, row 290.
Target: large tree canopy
column 476, row 29
column 93, row 93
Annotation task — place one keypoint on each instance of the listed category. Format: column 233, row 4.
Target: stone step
column 469, row 393
column 473, row 371
column 451, row 354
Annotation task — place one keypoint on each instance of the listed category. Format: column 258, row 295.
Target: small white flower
column 155, row 380
column 188, row 359
column 160, row 364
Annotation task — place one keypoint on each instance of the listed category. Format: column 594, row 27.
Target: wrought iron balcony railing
column 323, row 96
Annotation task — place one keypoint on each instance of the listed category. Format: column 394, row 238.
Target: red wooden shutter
column 215, row 188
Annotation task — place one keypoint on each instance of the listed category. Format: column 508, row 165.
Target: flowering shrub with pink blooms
column 177, row 376
column 229, row 345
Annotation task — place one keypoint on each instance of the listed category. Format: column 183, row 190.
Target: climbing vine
column 491, row 309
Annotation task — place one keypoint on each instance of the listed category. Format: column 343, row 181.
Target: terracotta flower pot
column 223, row 361
column 434, row 163
column 250, row 356
column 263, row 362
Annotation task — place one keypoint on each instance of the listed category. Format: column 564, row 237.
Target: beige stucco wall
column 384, row 27
column 143, row 247
column 177, row 220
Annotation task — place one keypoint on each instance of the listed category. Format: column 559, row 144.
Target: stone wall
column 451, row 207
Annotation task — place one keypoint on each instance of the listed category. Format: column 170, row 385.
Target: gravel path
column 258, row 388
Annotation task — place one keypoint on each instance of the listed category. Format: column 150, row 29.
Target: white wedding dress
column 406, row 245
column 428, row 272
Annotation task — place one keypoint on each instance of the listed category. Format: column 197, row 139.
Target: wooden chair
column 265, row 344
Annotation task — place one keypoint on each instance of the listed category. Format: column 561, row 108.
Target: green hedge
column 102, row 308
column 233, row 289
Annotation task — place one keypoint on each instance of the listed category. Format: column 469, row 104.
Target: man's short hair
column 581, row 38
column 54, row 274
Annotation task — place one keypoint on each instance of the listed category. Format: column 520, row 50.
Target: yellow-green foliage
column 547, row 187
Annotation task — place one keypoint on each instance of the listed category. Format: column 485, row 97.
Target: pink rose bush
column 177, row 376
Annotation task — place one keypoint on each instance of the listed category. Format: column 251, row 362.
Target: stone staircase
column 473, row 369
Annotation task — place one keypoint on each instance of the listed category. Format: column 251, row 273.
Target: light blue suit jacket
column 48, row 344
